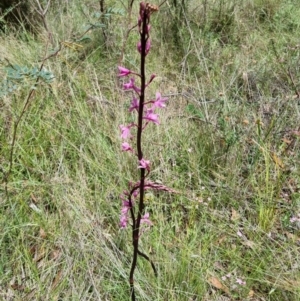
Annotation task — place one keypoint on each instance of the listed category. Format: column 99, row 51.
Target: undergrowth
column 228, row 144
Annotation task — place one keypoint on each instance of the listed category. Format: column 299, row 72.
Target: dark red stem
column 136, row 224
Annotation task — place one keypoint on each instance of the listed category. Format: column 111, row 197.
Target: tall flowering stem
column 146, row 115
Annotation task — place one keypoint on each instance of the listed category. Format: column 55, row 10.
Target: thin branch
column 151, row 262
column 162, row 3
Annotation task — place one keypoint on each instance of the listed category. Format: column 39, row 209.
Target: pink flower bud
column 139, row 46
column 148, row 46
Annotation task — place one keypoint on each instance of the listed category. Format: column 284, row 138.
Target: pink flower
column 134, row 105
column 126, row 147
column 123, row 221
column 159, row 101
column 144, row 164
column 145, row 219
column 123, row 71
column 135, row 193
column 124, row 213
column 150, row 116
column 125, row 131
column 131, row 86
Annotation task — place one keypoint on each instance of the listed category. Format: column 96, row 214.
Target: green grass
column 228, row 144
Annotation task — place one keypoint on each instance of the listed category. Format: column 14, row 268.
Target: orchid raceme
column 133, row 207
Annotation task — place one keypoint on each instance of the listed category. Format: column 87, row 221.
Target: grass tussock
column 228, row 144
